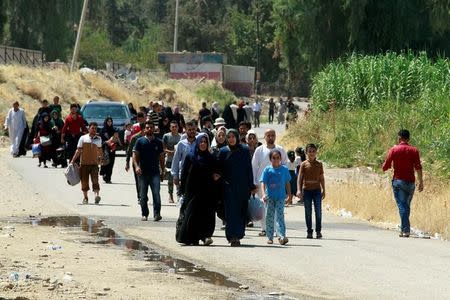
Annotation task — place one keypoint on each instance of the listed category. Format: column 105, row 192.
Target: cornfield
column 360, row 103
column 363, row 81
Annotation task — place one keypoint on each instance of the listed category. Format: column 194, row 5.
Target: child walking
column 311, row 186
column 293, row 164
column 275, row 186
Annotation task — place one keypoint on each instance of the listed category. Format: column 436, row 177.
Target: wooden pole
column 77, row 42
column 175, row 34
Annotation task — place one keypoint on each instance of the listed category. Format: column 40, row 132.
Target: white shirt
column 261, row 160
column 234, row 108
column 256, row 106
column 96, row 140
column 292, row 166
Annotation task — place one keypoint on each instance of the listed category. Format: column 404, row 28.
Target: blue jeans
column 146, row 180
column 403, row 193
column 275, row 209
column 310, row 197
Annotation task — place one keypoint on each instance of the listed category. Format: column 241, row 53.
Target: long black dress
column 197, row 218
column 238, row 182
column 106, row 133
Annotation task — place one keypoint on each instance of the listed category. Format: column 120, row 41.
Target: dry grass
column 31, row 85
column 430, row 211
column 369, row 196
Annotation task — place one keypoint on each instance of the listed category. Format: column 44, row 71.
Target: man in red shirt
column 406, row 159
column 140, row 119
column 73, row 128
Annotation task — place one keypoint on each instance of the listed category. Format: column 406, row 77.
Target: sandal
column 262, row 233
column 283, row 241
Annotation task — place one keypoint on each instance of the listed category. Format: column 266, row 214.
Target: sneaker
column 250, row 224
column 318, row 235
column 222, row 227
column 85, row 201
column 144, row 218
column 404, row 234
column 309, row 236
column 262, row 233
column 283, row 241
column 97, row 199
column 208, row 241
column 157, row 218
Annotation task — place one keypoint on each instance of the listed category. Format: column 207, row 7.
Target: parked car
column 99, row 110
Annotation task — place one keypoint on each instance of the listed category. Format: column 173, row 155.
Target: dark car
column 98, row 111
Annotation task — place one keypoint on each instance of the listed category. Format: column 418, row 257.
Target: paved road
column 354, row 260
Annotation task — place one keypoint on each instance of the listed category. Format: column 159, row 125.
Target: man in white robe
column 15, row 123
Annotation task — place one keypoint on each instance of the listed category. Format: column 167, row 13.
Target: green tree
column 244, row 38
column 2, row 19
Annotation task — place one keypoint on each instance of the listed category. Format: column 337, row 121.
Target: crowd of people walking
column 214, row 165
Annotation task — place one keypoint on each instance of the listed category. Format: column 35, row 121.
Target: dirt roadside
column 30, row 267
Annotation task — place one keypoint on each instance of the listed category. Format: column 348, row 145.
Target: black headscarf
column 107, row 130
column 168, row 112
column 45, row 124
column 236, row 135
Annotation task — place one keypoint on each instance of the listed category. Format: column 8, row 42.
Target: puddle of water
column 86, row 224
column 110, row 237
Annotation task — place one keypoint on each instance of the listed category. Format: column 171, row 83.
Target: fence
column 9, row 55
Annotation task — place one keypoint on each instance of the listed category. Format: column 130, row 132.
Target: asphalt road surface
column 353, row 260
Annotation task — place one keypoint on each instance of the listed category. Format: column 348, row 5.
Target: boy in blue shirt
column 275, row 187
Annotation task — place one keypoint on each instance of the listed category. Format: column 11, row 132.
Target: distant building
column 212, row 66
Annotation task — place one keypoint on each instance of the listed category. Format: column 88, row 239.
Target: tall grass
column 362, row 81
column 360, row 103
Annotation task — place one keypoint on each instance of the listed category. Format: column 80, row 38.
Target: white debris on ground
column 85, row 71
column 345, row 214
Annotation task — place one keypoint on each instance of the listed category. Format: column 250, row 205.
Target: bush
column 214, row 92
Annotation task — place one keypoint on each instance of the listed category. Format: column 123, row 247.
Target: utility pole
column 77, row 42
column 175, row 34
column 258, row 41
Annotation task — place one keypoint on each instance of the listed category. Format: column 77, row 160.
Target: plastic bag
column 72, row 174
column 256, row 209
column 45, row 140
column 36, row 149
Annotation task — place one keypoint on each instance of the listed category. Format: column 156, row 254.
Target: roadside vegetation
column 358, row 105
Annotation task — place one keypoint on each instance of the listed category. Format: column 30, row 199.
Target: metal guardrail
column 10, row 55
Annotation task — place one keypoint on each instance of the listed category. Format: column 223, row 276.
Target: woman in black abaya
column 197, row 213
